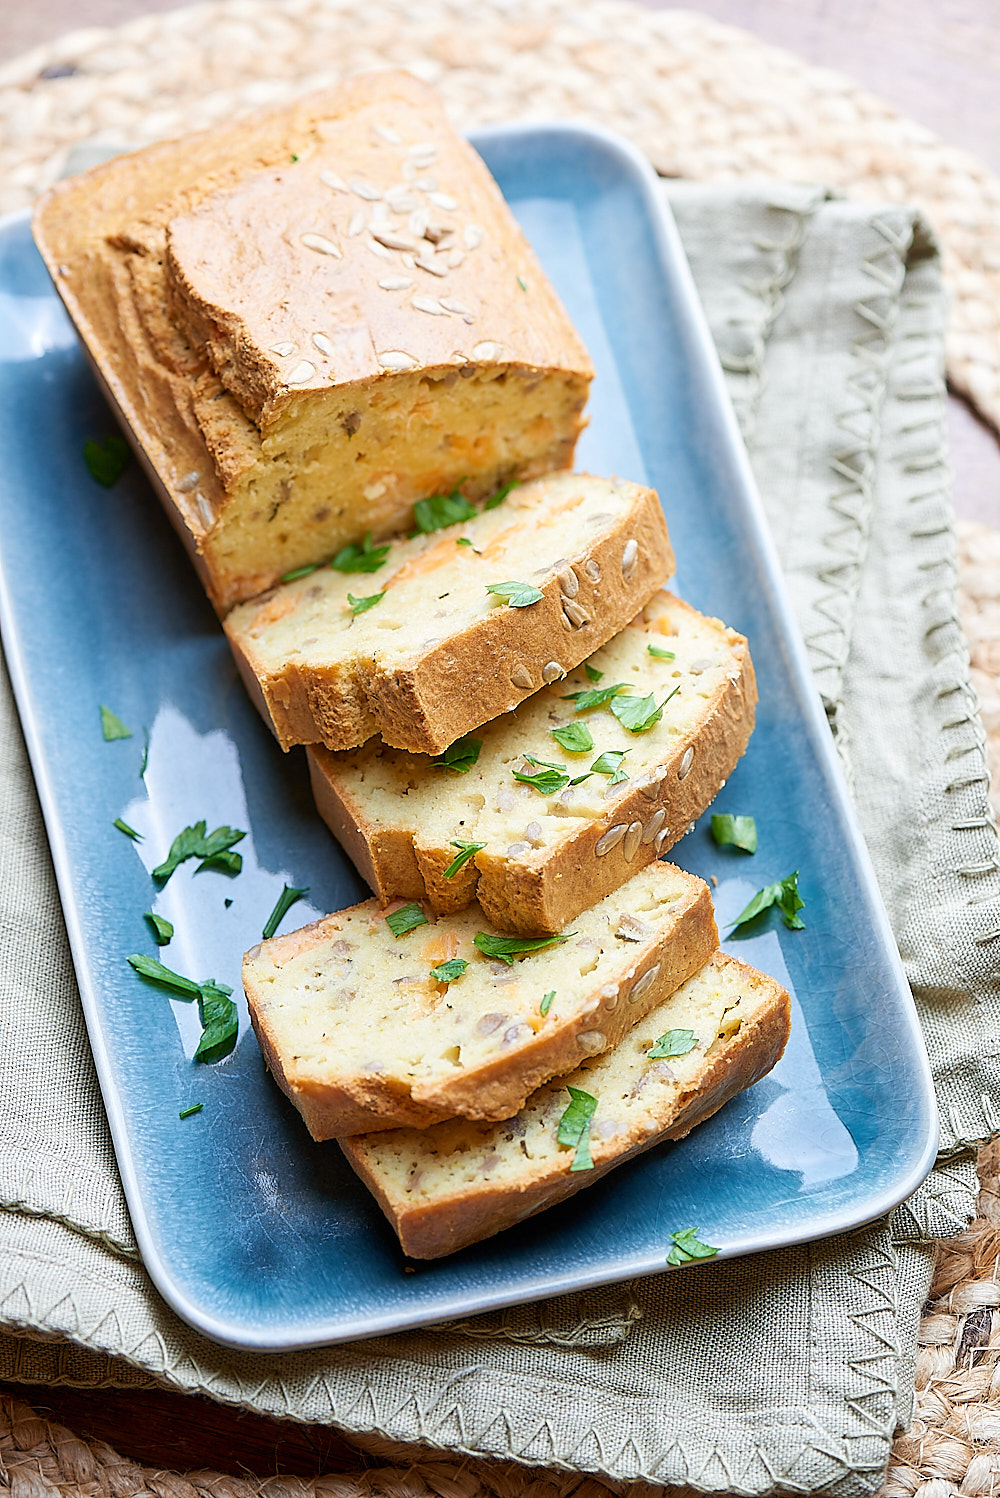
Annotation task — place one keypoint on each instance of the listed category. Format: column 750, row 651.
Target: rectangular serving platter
column 253, row 1234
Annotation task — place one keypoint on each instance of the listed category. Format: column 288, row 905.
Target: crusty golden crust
column 188, row 359
column 431, row 1229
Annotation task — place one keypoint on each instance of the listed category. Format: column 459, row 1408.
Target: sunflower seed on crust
column 424, row 150
column 576, row 615
column 645, row 983
column 520, row 677
column 653, row 826
column 378, row 249
column 443, row 200
column 301, row 373
column 321, row 245
column 487, row 350
column 473, row 236
column 392, row 240
column 687, row 761
column 356, row 222
column 593, row 570
column 397, row 360
column 610, row 840
column 331, row 180
column 396, row 283
column 592, row 1042
column 551, row 672
column 387, row 134
column 631, row 840
column 424, row 262
column 630, row 557
column 569, row 583
column 459, row 308
column 323, row 343
column 367, row 190
column 428, row 304
column 283, row 350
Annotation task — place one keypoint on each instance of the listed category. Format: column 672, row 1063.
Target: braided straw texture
column 703, row 101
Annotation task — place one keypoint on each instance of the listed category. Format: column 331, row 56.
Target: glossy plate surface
column 251, row 1232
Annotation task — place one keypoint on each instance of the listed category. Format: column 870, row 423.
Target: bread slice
column 360, row 1035
column 437, row 654
column 309, row 319
column 545, row 857
column 459, row 1182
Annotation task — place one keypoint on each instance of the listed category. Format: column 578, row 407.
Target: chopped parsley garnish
column 226, row 861
column 639, row 714
column 406, row 918
column 687, row 1247
column 498, row 498
column 506, row 948
column 227, row 902
column 220, row 1022
column 522, row 283
column 297, row 572
column 282, row 906
column 462, row 541
column 190, row 1112
column 148, row 967
column 673, row 1043
column 128, row 831
column 574, row 1127
column 193, row 842
column 661, row 653
column 162, row 929
column 459, row 756
column 546, row 782
column 734, row 832
column 468, row 850
column 546, row 1003
column 612, row 763
column 362, row 605
column 439, row 510
column 106, row 461
column 448, row 972
column 574, row 737
column 355, row 558
column 597, row 696
column 592, row 673
column 785, row 895
column 518, row 595
column 111, row 727
column 145, row 754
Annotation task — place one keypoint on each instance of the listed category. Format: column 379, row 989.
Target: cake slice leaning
column 423, row 639
column 371, row 1018
column 565, row 798
column 459, row 1182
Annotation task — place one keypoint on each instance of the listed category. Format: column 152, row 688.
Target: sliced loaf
column 361, row 1035
column 436, row 654
column 451, row 1185
column 545, row 857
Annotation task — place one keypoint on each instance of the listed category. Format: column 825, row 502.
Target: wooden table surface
column 938, row 61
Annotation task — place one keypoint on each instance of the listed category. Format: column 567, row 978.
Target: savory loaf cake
column 451, row 1185
column 564, row 798
column 312, row 318
column 408, row 640
column 375, row 1018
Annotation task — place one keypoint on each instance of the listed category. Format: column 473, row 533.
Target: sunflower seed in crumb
column 401, row 200
column 356, row 222
column 427, row 184
column 378, row 249
column 610, row 840
column 569, row 583
column 520, row 677
column 653, row 826
column 629, row 558
column 551, row 672
column 301, row 373
column 426, row 262
column 487, row 350
column 459, row 308
column 188, row 482
column 593, row 570
column 392, row 240
column 533, row 831
column 592, row 1042
column 631, row 840
column 685, row 765
column 380, row 214
column 423, row 150
column 574, row 613
column 330, row 179
column 321, row 245
column 362, row 189
column 417, row 222
column 506, row 800
column 443, row 200
column 396, row 283
column 283, row 349
column 473, row 236
column 408, row 261
column 392, row 136
column 397, row 360
column 409, row 171
column 645, row 983
column 323, row 344
column 517, row 848
column 455, row 259
column 428, row 304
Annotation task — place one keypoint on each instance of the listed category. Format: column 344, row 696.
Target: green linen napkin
column 789, row 1370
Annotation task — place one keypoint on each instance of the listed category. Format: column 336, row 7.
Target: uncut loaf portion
column 445, row 1187
column 437, row 654
column 309, row 319
column 545, row 857
column 361, row 1036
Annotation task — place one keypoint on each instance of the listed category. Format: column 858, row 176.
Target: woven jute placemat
column 702, row 100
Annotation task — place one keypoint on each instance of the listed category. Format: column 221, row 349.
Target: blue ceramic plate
column 252, row 1233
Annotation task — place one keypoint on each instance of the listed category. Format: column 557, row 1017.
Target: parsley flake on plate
column 575, row 738
column 518, row 595
column 355, row 558
column 687, row 1247
column 112, row 727
column 219, row 1020
column 190, row 1112
column 785, row 895
column 459, row 756
column 734, row 832
column 450, row 971
column 439, row 510
column 406, row 918
column 106, row 461
column 225, row 861
column 162, row 929
column 362, row 605
column 175, row 983
column 673, row 1043
column 506, row 948
column 467, row 851
column 282, row 905
column 194, row 842
column 574, row 1127
column 128, row 831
